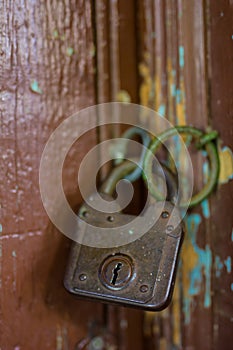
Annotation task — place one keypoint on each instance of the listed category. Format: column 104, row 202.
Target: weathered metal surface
column 148, row 264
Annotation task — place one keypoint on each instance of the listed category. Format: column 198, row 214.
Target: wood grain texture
column 221, row 114
column 47, row 73
column 183, row 67
column 57, row 57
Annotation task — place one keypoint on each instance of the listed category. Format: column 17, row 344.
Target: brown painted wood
column 221, row 107
column 117, row 80
column 186, row 56
column 47, row 43
column 58, row 57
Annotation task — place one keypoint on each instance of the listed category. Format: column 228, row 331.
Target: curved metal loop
column 120, row 151
column 119, row 172
column 203, row 141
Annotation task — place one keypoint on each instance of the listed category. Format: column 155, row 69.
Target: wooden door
column 58, row 57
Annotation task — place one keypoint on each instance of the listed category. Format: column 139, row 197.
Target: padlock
column 139, row 274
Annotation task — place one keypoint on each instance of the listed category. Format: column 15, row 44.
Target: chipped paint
column 14, row 281
column 59, row 339
column 205, row 208
column 232, row 287
column 205, row 203
column 196, row 267
column 92, row 50
column 180, row 104
column 55, row 34
column 219, row 265
column 69, row 51
column 226, row 165
column 181, row 56
column 162, row 110
column 123, row 96
column 146, row 85
column 171, row 76
column 35, row 87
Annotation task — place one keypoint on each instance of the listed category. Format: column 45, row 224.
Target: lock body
column 139, row 274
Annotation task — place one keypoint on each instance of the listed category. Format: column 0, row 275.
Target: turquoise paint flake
column 173, row 90
column 203, row 266
column 35, row 87
column 227, row 263
column 69, row 51
column 161, row 110
column 232, row 235
column 178, row 96
column 0, row 228
column 205, row 208
column 232, row 287
column 181, row 56
column 219, row 265
column 55, row 34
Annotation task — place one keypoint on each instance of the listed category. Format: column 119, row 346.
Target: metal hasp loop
column 119, row 172
column 120, row 150
column 204, row 141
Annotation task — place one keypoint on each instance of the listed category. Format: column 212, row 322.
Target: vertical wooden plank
column 221, row 103
column 197, row 255
column 181, row 75
column 117, row 80
column 47, row 74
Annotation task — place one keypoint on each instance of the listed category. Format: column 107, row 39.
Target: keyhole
column 116, row 273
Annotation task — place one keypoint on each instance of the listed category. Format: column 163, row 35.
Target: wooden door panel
column 47, row 73
column 58, row 57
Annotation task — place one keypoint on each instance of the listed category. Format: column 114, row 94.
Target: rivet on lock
column 138, row 274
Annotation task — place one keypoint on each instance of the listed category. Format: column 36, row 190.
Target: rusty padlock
column 139, row 274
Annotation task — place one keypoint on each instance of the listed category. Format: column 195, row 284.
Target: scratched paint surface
column 48, row 74
column 174, row 73
column 197, row 267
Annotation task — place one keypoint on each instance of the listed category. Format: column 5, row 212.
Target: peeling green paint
column 69, row 51
column 55, row 34
column 232, row 287
column 0, row 228
column 35, row 87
